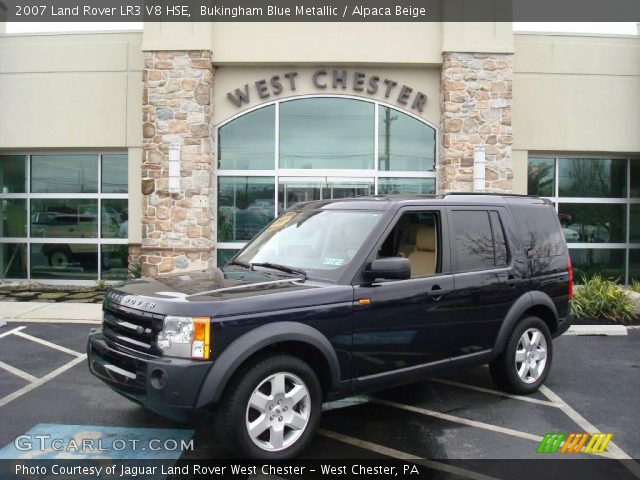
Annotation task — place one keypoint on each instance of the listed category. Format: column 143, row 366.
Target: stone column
column 176, row 227
column 475, row 105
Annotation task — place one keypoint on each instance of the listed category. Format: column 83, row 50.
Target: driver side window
column 415, row 236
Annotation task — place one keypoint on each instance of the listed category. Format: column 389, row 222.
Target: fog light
column 158, row 378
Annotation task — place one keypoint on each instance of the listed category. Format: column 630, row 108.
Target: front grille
column 134, row 329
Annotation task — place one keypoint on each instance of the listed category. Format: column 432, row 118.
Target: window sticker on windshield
column 282, row 221
column 333, row 261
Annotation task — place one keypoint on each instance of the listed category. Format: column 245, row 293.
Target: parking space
column 45, row 384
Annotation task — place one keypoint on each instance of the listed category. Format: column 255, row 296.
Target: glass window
column 500, row 244
column 407, row 186
column 64, row 174
column 635, row 178
column 13, row 217
column 115, row 218
column 292, row 192
column 115, row 170
column 404, row 143
column 224, row 255
column 634, row 223
column 604, row 261
column 593, row 222
column 245, row 206
column 13, row 260
column 634, row 264
column 324, row 133
column 322, row 242
column 13, row 177
column 541, row 177
column 248, row 142
column 592, row 177
column 115, row 265
column 64, row 261
column 64, row 218
column 474, row 240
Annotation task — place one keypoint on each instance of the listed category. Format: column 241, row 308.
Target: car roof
column 386, row 202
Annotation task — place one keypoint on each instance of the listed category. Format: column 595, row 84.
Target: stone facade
column 475, row 96
column 177, row 227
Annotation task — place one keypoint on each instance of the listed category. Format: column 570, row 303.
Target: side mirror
column 392, row 268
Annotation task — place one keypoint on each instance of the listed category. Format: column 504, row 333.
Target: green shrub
column 635, row 285
column 602, row 298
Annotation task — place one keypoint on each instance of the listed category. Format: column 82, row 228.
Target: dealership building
column 167, row 149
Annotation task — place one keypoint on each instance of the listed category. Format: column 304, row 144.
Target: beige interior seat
column 423, row 259
column 408, row 246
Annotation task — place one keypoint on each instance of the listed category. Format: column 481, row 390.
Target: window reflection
column 635, row 178
column 64, row 174
column 323, row 133
column 634, row 264
column 592, row 177
column 541, row 176
column 13, row 260
column 404, row 143
column 474, row 240
column 245, row 206
column 608, row 262
column 115, row 170
column 115, row 218
column 224, row 255
column 13, row 218
column 64, row 218
column 64, row 261
column 12, row 174
column 248, row 142
column 407, row 186
column 593, row 223
column 114, row 259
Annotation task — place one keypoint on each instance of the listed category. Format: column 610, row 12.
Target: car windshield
column 320, row 242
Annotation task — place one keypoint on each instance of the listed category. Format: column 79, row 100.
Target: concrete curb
column 3, row 322
column 608, row 330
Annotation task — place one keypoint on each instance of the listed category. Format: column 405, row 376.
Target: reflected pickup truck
column 340, row 297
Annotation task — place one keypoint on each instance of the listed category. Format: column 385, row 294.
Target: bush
column 635, row 286
column 602, row 298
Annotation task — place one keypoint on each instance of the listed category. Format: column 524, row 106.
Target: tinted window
column 64, row 174
column 474, row 240
column 541, row 175
column 499, row 242
column 538, row 227
column 248, row 142
column 592, row 177
column 404, row 142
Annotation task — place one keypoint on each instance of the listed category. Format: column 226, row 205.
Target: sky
column 624, row 28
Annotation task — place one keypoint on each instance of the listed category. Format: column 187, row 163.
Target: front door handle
column 436, row 292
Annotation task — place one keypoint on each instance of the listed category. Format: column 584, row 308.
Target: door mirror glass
column 392, row 268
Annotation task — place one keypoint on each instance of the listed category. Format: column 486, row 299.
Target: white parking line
column 11, row 332
column 40, row 381
column 613, row 449
column 48, row 344
column 495, row 392
column 463, row 421
column 390, row 452
column 17, row 372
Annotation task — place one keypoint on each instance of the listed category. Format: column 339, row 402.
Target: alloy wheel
column 531, row 355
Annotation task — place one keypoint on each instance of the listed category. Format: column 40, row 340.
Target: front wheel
column 526, row 360
column 271, row 410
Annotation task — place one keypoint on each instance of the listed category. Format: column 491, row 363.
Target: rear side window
column 474, row 240
column 499, row 243
column 539, row 230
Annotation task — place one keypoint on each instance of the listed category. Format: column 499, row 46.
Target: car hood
column 223, row 293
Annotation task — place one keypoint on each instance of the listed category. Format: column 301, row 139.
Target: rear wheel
column 271, row 410
column 525, row 362
column 59, row 258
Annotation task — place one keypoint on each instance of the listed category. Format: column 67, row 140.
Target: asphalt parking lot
column 593, row 387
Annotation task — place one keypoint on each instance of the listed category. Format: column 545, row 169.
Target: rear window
column 539, row 229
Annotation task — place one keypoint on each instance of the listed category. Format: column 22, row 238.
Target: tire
column 515, row 374
column 296, row 417
column 59, row 258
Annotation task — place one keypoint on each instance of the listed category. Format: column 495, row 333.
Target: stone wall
column 475, row 96
column 177, row 228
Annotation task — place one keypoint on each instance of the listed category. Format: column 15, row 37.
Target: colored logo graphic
column 574, row 442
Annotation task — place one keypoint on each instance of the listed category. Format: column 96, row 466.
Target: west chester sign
column 334, row 80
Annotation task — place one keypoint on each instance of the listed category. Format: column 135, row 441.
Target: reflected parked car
column 570, row 235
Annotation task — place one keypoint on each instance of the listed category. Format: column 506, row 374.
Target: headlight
column 186, row 337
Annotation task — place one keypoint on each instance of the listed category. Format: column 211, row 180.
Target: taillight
column 570, row 280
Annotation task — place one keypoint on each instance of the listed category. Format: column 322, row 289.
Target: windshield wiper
column 282, row 268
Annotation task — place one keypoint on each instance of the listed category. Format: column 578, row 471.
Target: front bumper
column 168, row 386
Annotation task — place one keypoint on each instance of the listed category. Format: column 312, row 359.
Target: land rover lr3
column 338, row 297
